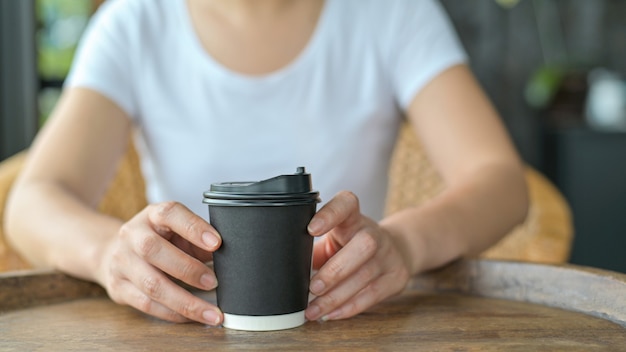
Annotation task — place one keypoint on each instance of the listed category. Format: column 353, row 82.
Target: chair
column 124, row 198
column 545, row 236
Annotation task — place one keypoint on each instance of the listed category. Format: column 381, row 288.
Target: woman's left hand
column 359, row 262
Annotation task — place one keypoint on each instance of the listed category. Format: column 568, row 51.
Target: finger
column 123, row 291
column 342, row 293
column 170, row 259
column 347, row 261
column 357, row 304
column 176, row 218
column 128, row 294
column 384, row 287
column 199, row 253
column 159, row 288
column 341, row 212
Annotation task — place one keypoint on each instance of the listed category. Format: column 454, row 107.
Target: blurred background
column 554, row 69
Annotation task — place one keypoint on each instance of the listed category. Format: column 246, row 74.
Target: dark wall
column 18, row 76
column 505, row 48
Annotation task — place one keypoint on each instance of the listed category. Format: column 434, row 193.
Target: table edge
column 591, row 291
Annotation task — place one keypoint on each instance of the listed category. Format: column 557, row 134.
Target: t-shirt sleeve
column 422, row 43
column 104, row 57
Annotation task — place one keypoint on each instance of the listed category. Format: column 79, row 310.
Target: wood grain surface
column 457, row 314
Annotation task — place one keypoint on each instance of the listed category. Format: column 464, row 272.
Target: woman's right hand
column 163, row 241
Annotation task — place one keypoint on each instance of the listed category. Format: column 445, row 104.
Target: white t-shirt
column 335, row 109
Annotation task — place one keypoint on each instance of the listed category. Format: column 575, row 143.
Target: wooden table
column 468, row 306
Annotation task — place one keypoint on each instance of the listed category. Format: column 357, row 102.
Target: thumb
column 341, row 216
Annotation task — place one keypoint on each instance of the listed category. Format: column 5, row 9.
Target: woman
column 216, row 90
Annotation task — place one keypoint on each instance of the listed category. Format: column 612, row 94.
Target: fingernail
column 211, row 317
column 208, row 281
column 317, row 287
column 210, row 239
column 312, row 312
column 315, row 226
column 332, row 315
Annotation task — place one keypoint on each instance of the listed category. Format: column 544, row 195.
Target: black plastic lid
column 285, row 189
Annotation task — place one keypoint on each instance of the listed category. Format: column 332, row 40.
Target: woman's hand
column 162, row 241
column 360, row 263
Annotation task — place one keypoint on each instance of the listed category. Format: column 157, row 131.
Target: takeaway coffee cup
column 264, row 263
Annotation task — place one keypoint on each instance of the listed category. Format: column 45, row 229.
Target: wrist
column 423, row 239
column 99, row 264
column 409, row 244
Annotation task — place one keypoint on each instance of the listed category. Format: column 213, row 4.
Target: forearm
column 465, row 219
column 52, row 228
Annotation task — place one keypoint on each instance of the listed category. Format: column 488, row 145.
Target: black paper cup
column 264, row 263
